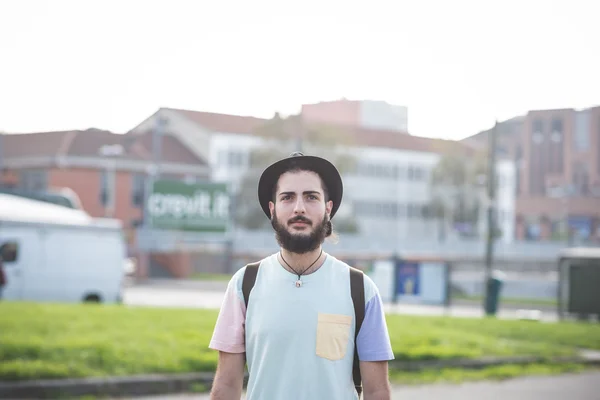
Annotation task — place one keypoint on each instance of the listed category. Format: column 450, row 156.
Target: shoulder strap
column 249, row 279
column 357, row 289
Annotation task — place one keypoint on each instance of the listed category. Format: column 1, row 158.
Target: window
column 106, row 188
column 222, row 158
column 386, row 210
column 537, row 126
column 416, row 173
column 377, row 210
column 537, row 131
column 236, row 158
column 371, row 170
column 419, row 174
column 137, row 189
column 400, row 172
column 581, row 137
column 412, row 210
column 401, row 211
column 33, row 180
column 580, row 178
column 557, row 125
column 9, row 252
column 103, row 188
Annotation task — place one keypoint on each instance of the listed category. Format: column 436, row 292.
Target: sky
column 457, row 65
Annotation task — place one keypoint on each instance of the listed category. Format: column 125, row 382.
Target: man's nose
column 299, row 207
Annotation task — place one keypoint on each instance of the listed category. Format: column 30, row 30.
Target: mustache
column 300, row 219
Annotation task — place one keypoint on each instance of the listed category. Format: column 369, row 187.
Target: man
column 297, row 334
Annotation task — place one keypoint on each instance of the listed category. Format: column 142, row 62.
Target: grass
column 59, row 341
column 205, row 276
column 430, row 338
column 510, row 300
column 456, row 375
column 80, row 340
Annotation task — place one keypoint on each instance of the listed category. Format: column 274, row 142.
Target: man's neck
column 300, row 262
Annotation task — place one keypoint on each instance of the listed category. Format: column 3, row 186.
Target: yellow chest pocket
column 333, row 332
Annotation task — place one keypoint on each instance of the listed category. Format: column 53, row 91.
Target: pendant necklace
column 299, row 282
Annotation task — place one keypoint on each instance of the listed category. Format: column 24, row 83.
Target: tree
column 280, row 137
column 457, row 187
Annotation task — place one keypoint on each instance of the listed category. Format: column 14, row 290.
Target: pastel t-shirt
column 299, row 341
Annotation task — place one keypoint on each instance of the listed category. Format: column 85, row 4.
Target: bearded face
column 296, row 240
column 300, row 212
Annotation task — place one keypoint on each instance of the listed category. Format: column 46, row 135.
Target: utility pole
column 491, row 220
column 152, row 173
column 1, row 160
column 157, row 139
column 153, row 170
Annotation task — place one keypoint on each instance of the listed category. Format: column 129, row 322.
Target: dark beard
column 299, row 243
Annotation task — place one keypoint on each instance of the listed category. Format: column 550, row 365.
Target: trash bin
column 579, row 274
column 494, row 287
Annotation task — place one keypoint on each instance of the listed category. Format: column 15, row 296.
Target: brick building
column 557, row 153
column 106, row 171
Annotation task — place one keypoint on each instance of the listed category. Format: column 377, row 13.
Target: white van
column 57, row 254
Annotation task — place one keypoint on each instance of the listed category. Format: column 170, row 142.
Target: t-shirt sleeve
column 229, row 332
column 373, row 341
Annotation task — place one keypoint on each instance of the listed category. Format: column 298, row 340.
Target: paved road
column 210, row 295
column 585, row 386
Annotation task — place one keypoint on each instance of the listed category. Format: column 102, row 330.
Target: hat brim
column 326, row 170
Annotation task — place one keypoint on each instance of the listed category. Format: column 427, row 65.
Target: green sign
column 177, row 205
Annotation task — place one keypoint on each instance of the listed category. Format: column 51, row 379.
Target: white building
column 389, row 190
column 370, row 114
column 506, row 198
column 386, row 193
column 224, row 140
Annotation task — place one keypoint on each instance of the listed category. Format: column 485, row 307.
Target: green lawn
column 206, row 276
column 510, row 300
column 457, row 375
column 59, row 341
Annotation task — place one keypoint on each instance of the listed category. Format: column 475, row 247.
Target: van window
column 9, row 252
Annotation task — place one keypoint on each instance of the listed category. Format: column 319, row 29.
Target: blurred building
column 557, row 155
column 370, row 114
column 99, row 171
column 387, row 191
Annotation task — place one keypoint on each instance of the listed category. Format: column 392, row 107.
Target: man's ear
column 271, row 208
column 328, row 207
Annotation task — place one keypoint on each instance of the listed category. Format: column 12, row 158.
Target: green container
column 493, row 289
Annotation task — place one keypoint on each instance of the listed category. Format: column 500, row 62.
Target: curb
column 157, row 384
column 139, row 385
column 485, row 362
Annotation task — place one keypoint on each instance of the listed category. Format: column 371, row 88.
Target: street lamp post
column 153, row 172
column 491, row 223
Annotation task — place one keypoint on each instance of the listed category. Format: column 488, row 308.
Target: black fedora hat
column 326, row 170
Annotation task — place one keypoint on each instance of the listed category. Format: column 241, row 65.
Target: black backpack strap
column 249, row 279
column 357, row 290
